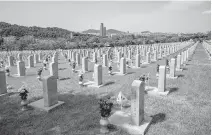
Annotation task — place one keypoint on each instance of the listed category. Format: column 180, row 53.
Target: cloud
column 182, row 5
column 206, row 12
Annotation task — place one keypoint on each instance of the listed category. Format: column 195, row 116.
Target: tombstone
column 98, row 74
column 137, row 61
column 20, row 57
column 155, row 56
column 123, row 66
column 30, row 61
column 3, row 84
column 21, row 70
column 10, row 61
column 147, row 57
column 137, row 102
column 73, row 56
column 53, row 69
column 119, row 56
column 172, row 67
column 35, row 58
column 94, row 56
column 105, row 60
column 50, row 95
column 129, row 54
column 78, row 59
column 178, row 61
column 84, row 64
column 162, row 79
column 40, row 57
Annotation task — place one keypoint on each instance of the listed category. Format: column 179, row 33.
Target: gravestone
column 53, row 69
column 84, row 64
column 162, row 79
column 73, row 56
column 137, row 102
column 20, row 57
column 123, row 66
column 178, row 62
column 30, row 61
column 78, row 59
column 3, row 84
column 172, row 68
column 105, row 60
column 40, row 57
column 137, row 61
column 21, row 70
column 50, row 95
column 10, row 61
column 98, row 74
column 94, row 56
column 35, row 58
column 147, row 57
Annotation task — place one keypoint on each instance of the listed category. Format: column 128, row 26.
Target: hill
column 110, row 31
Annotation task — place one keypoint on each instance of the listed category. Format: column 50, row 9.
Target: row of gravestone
column 50, row 96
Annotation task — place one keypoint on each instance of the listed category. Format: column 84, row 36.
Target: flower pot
column 8, row 74
column 24, row 105
column 104, row 125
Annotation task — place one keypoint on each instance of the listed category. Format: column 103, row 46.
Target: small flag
column 121, row 98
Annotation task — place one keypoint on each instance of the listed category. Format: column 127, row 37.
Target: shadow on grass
column 130, row 73
column 185, row 68
column 174, row 89
column 142, row 66
column 181, row 75
column 109, row 83
column 62, row 68
column 160, row 117
column 66, row 78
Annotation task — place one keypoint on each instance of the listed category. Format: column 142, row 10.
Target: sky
column 136, row 16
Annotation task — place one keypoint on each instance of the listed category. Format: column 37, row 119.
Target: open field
column 185, row 111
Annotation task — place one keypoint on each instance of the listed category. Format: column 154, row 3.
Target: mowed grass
column 185, row 111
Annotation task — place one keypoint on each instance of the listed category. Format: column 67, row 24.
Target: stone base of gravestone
column 39, row 104
column 150, row 90
column 118, row 73
column 167, row 76
column 5, row 94
column 179, row 69
column 123, row 120
column 145, row 63
column 92, row 84
column 17, row 75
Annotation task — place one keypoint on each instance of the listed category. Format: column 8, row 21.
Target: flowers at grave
column 7, row 70
column 95, row 61
column 45, row 64
column 110, row 70
column 73, row 66
column 39, row 72
column 157, row 68
column 23, row 93
column 105, row 110
column 105, row 106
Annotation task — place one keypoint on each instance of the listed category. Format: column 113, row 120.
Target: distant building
column 101, row 29
column 104, row 31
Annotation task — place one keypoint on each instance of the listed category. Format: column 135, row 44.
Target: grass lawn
column 186, row 111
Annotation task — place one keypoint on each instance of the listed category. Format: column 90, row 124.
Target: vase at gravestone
column 162, row 79
column 21, row 68
column 137, row 102
column 3, row 85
